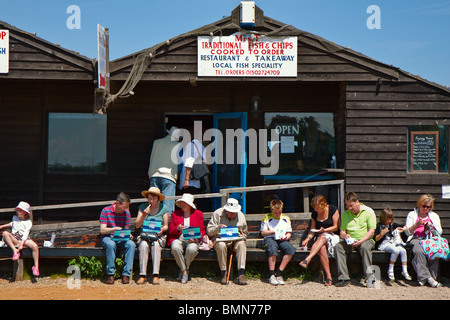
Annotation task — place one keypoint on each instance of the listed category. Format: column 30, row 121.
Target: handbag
column 435, row 246
column 149, row 237
column 205, row 243
column 199, row 170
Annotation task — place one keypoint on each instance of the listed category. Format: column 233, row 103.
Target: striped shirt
column 113, row 219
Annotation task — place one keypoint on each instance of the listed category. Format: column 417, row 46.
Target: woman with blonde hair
column 418, row 222
column 324, row 229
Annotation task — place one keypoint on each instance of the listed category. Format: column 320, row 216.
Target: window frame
column 443, row 142
column 47, row 168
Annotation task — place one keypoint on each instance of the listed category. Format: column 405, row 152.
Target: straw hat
column 187, row 198
column 155, row 191
column 232, row 205
column 25, row 206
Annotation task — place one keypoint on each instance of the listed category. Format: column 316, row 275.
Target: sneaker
column 391, row 276
column 342, row 283
column 35, row 271
column 280, row 280
column 406, row 275
column 273, row 280
column 433, row 283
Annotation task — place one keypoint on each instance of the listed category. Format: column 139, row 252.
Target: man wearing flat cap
column 229, row 215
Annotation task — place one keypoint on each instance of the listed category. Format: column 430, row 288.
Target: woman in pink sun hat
column 17, row 234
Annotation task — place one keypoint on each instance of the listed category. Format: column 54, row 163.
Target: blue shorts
column 272, row 246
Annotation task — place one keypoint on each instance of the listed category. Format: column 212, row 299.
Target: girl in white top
column 18, row 236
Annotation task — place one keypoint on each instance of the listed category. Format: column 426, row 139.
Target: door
column 230, row 165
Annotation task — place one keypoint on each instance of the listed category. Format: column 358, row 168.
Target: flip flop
column 303, row 264
column 329, row 282
column 16, row 256
column 35, row 271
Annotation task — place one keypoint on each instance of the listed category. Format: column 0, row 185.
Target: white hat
column 174, row 132
column 25, row 206
column 232, row 205
column 188, row 198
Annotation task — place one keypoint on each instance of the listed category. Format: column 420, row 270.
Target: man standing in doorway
column 358, row 224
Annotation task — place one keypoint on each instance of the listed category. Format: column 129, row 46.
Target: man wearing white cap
column 162, row 171
column 229, row 215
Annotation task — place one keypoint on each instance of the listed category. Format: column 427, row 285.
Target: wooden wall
column 377, row 123
column 33, row 58
column 46, row 78
column 133, row 124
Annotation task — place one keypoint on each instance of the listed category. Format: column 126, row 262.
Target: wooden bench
column 74, row 239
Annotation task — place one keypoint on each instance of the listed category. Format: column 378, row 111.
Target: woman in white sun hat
column 19, row 235
column 185, row 251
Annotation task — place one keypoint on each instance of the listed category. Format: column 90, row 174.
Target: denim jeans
column 272, row 246
column 111, row 246
column 167, row 188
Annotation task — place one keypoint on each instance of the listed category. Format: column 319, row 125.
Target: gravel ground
column 201, row 288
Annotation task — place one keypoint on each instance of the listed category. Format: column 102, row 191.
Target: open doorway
column 186, row 121
column 229, row 173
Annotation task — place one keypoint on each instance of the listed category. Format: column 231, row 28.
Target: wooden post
column 305, row 199
column 18, row 270
column 108, row 82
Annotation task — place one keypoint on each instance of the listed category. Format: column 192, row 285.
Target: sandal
column 16, row 256
column 328, row 282
column 35, row 271
column 303, row 264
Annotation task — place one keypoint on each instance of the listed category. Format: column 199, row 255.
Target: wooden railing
column 223, row 194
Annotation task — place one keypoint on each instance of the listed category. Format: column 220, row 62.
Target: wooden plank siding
column 180, row 64
column 377, row 121
column 31, row 57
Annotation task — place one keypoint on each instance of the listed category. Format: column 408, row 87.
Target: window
column 76, row 142
column 308, row 143
column 428, row 149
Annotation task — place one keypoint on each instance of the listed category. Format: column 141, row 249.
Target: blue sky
column 414, row 34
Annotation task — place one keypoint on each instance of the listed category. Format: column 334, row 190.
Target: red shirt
column 177, row 218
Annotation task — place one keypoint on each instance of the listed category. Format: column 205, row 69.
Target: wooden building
column 372, row 113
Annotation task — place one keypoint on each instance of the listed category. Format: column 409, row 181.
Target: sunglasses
column 426, row 207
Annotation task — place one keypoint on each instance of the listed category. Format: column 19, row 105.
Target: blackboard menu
column 424, row 151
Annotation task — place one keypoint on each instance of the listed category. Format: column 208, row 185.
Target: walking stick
column 231, row 259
